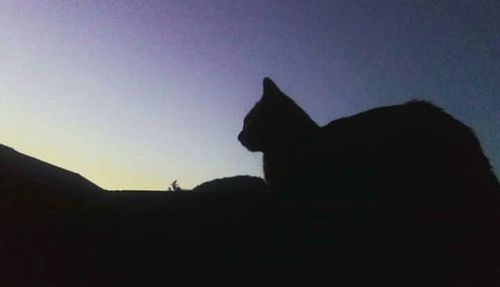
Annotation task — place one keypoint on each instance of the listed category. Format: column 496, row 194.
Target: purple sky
column 136, row 94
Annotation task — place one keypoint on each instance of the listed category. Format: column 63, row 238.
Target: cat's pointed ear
column 270, row 88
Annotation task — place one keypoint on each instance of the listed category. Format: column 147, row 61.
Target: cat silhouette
column 437, row 216
column 411, row 146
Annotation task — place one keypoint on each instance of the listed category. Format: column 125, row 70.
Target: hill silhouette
column 34, row 186
column 236, row 184
column 19, row 171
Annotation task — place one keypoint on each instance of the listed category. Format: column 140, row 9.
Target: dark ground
column 70, row 233
column 151, row 240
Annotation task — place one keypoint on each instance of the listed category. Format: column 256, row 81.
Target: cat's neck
column 295, row 139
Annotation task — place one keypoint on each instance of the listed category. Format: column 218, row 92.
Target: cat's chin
column 249, row 145
column 251, row 148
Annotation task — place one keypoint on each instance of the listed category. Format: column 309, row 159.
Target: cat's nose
column 240, row 137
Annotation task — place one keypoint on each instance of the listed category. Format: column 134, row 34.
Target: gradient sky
column 136, row 94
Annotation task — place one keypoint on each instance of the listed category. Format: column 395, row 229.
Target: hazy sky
column 136, row 94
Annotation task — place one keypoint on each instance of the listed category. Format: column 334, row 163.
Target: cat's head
column 274, row 120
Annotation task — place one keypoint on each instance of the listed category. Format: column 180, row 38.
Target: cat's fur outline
column 414, row 145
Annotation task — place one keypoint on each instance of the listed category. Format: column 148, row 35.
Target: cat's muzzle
column 246, row 142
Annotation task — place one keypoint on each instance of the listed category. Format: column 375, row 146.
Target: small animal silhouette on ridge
column 412, row 146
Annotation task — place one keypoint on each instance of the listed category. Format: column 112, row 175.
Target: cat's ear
column 270, row 88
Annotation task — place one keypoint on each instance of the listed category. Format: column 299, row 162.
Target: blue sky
column 136, row 94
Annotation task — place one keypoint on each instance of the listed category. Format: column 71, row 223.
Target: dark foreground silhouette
column 355, row 228
column 432, row 189
column 411, row 150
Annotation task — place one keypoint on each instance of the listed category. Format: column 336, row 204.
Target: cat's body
column 396, row 148
column 425, row 202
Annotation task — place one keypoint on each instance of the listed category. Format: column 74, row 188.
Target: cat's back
column 415, row 120
column 403, row 116
column 415, row 141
